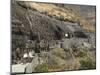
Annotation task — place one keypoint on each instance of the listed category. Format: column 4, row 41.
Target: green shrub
column 41, row 68
column 87, row 63
column 83, row 52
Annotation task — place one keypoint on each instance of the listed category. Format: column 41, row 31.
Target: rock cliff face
column 83, row 14
column 35, row 25
column 41, row 27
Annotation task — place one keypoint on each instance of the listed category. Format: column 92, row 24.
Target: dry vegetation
column 58, row 61
column 41, row 25
column 60, row 13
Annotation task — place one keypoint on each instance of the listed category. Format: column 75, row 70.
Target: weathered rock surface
column 42, row 30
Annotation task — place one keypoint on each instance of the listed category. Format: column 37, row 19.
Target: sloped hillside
column 65, row 13
column 52, row 37
column 34, row 23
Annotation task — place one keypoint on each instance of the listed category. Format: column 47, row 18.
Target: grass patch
column 87, row 61
column 41, row 68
